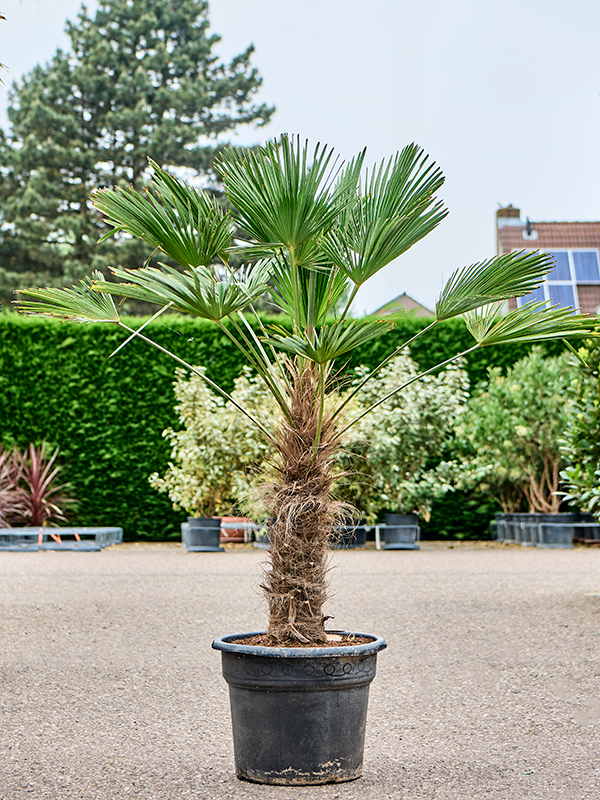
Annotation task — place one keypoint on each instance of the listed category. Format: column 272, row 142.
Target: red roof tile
column 550, row 235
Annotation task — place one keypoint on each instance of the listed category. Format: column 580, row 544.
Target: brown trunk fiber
column 304, row 513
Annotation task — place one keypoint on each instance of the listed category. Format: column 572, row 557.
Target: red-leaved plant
column 29, row 494
column 11, row 504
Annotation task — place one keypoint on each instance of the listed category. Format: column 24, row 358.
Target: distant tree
column 2, row 66
column 141, row 80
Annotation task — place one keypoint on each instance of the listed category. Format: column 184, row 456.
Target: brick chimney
column 505, row 216
column 509, row 215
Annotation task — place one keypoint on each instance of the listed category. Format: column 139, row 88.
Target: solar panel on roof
column 586, row 265
column 561, row 271
column 536, row 295
column 561, row 296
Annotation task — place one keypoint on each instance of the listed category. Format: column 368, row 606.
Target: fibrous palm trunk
column 304, row 513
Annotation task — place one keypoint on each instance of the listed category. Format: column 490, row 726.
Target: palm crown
column 314, row 230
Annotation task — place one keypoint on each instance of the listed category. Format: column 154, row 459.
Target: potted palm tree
column 313, row 231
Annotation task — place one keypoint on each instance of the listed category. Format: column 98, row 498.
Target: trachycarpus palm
column 313, row 229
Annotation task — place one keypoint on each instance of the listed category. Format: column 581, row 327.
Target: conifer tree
column 141, row 81
column 2, row 65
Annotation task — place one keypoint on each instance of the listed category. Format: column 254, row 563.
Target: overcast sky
column 504, row 95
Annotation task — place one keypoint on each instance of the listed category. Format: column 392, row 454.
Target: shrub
column 29, row 494
column 581, row 443
column 508, row 441
column 216, row 455
column 389, row 449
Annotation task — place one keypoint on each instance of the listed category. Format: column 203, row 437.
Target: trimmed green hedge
column 107, row 415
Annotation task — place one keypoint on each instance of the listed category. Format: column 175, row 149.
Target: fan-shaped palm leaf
column 331, row 341
column 320, row 290
column 282, row 195
column 532, row 322
column 76, row 304
column 397, row 210
column 198, row 291
column 185, row 223
column 509, row 275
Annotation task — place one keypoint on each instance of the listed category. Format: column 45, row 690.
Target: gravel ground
column 488, row 689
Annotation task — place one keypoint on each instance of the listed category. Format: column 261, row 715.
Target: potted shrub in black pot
column 508, row 445
column 211, row 457
column 313, row 233
column 388, row 451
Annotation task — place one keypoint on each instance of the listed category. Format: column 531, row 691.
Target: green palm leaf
column 532, row 322
column 185, row 223
column 329, row 342
column 499, row 278
column 76, row 304
column 397, row 210
column 198, row 291
column 320, row 290
column 284, row 197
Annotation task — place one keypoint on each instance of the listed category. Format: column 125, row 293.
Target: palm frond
column 319, row 291
column 198, row 291
column 348, row 182
column 398, row 209
column 329, row 342
column 510, row 275
column 185, row 223
column 282, row 195
column 532, row 322
column 76, row 304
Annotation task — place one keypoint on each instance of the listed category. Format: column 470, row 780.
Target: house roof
column 404, row 301
column 514, row 233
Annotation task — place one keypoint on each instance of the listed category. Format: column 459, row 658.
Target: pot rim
column 227, row 644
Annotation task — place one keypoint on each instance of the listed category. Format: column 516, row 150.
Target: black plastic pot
column 557, row 531
column 504, row 527
column 402, row 532
column 588, row 533
column 203, row 534
column 513, row 526
column 349, row 537
column 298, row 713
column 401, row 519
column 524, row 528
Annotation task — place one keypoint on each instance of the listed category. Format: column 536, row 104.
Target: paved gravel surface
column 488, row 689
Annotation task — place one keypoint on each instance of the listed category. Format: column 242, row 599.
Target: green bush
column 581, row 443
column 460, row 515
column 107, row 415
